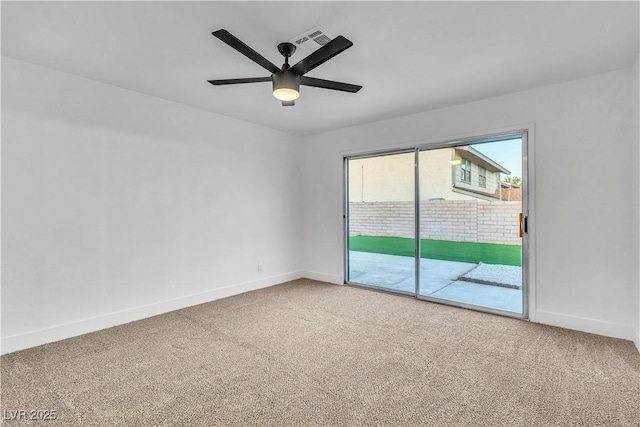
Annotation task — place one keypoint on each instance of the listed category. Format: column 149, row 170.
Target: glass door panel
column 470, row 206
column 381, row 222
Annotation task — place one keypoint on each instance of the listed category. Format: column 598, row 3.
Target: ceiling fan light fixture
column 286, row 86
column 286, row 94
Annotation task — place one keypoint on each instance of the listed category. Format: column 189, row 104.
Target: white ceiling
column 409, row 56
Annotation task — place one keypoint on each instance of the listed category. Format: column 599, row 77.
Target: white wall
column 635, row 119
column 117, row 205
column 585, row 269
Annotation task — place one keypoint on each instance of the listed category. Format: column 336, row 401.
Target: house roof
column 509, row 185
column 474, row 156
column 484, row 195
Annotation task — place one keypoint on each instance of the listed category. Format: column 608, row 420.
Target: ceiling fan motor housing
column 286, row 80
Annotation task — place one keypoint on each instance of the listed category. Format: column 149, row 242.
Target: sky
column 506, row 153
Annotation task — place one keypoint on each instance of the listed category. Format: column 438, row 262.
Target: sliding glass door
column 443, row 224
column 470, row 207
column 381, row 221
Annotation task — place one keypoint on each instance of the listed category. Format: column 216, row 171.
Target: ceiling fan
column 287, row 80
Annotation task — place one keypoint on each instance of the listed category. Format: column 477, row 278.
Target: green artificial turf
column 488, row 253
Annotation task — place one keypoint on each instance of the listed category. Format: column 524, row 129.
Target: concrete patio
column 438, row 279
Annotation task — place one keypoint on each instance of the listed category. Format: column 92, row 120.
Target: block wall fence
column 456, row 220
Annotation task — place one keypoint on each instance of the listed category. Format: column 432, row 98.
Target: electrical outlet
column 259, row 268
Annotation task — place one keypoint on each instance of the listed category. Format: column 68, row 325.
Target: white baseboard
column 92, row 324
column 323, row 277
column 584, row 324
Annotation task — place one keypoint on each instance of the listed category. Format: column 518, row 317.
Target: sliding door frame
column 528, row 278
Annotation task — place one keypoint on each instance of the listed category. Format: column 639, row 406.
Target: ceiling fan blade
column 288, row 103
column 236, row 81
column 322, row 55
column 329, row 84
column 238, row 45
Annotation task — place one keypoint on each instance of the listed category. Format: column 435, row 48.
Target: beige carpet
column 307, row 353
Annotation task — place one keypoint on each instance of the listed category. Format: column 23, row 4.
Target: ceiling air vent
column 311, row 40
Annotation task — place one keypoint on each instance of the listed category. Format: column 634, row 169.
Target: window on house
column 482, row 177
column 465, row 171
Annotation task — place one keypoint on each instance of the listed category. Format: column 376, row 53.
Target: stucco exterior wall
column 382, row 178
column 391, row 178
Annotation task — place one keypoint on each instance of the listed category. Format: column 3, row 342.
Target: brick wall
column 499, row 222
column 457, row 220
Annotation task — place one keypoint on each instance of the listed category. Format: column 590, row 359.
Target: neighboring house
column 511, row 192
column 475, row 174
column 460, row 173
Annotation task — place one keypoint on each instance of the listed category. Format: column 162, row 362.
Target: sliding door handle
column 520, row 225
column 523, row 225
